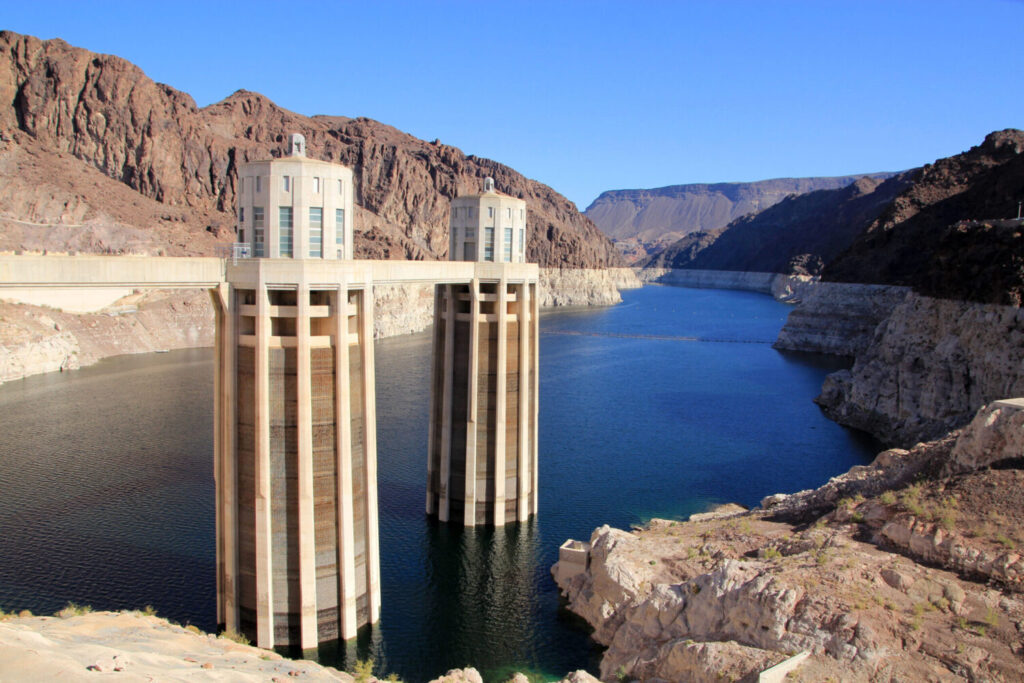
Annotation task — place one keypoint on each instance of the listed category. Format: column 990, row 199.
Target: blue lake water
column 661, row 406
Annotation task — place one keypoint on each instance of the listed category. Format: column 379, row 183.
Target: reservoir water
column 661, row 406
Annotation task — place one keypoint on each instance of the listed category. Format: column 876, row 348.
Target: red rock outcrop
column 105, row 112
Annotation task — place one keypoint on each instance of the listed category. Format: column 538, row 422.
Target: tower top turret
column 297, row 145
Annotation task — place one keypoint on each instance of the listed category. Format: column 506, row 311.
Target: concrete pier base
column 298, row 557
column 482, row 460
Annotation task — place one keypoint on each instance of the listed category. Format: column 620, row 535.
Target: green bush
column 234, row 636
column 73, row 610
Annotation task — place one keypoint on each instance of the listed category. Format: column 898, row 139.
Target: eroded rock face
column 35, row 339
column 929, row 366
column 584, row 287
column 995, row 435
column 838, row 319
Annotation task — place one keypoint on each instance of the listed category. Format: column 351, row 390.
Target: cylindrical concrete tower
column 298, row 559
column 482, row 463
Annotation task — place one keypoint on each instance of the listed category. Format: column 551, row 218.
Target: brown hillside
column 62, row 103
column 945, row 235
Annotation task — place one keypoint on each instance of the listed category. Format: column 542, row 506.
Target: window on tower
column 257, row 226
column 488, row 244
column 316, row 232
column 285, row 224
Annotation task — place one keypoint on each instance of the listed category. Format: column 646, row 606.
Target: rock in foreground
column 909, row 569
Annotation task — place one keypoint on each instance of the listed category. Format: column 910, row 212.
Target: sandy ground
column 134, row 647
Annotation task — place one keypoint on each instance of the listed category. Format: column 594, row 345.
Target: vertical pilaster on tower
column 469, row 500
column 225, row 475
column 526, row 322
column 343, row 464
column 534, row 374
column 370, row 421
column 306, row 515
column 263, row 565
column 501, row 402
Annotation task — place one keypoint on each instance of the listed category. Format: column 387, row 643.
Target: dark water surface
column 661, row 406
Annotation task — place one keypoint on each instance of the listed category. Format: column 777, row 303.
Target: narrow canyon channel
column 661, row 406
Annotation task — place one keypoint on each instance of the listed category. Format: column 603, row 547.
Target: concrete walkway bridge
column 295, row 454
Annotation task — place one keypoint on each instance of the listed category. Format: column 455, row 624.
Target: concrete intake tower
column 298, row 557
column 482, row 461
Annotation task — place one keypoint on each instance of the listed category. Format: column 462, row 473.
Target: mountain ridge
column 643, row 221
column 65, row 101
column 944, row 229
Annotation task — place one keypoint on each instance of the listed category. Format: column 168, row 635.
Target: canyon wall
column 838, row 319
column 643, row 222
column 36, row 339
column 922, row 365
column 74, row 123
column 584, row 287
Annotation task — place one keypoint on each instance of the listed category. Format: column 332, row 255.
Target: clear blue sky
column 588, row 96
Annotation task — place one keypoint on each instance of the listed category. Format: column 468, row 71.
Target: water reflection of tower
column 482, row 463
column 482, row 593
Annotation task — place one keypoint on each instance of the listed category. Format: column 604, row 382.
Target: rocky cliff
column 654, row 218
column 943, row 236
column 585, row 287
column 929, row 365
column 894, row 571
column 838, row 318
column 74, row 113
column 35, row 339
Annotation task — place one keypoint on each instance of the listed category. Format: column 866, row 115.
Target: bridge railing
column 234, row 251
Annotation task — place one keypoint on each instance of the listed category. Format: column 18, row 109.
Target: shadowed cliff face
column 105, row 112
column 946, row 234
